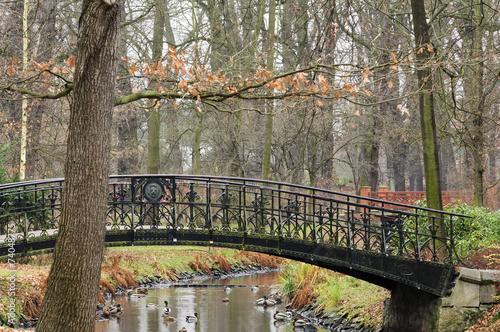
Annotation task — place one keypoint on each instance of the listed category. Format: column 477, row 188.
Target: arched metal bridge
column 382, row 242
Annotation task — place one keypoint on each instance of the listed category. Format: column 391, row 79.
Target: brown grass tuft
column 104, row 284
column 271, row 262
column 199, row 265
column 32, row 305
column 221, row 261
column 304, row 296
column 122, row 277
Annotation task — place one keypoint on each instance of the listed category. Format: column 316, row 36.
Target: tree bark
column 426, row 107
column 46, row 20
column 268, row 129
column 369, row 155
column 153, row 166
column 197, row 144
column 73, row 285
column 478, row 99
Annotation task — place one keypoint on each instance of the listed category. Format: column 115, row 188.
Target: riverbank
column 333, row 300
column 124, row 268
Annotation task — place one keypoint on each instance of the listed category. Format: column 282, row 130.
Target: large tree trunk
column 73, row 285
column 428, row 125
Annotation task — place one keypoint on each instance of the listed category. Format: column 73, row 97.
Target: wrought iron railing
column 236, row 205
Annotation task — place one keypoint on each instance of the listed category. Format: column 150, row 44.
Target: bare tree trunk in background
column 268, row 129
column 127, row 123
column 153, row 166
column 426, row 106
column 369, row 154
column 46, row 19
column 174, row 162
column 415, row 171
column 478, row 98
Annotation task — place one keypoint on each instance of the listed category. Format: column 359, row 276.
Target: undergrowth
column 330, row 291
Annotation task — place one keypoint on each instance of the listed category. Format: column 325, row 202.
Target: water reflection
column 240, row 314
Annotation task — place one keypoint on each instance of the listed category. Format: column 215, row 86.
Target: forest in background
column 322, row 93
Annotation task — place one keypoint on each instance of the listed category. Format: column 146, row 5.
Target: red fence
column 410, row 197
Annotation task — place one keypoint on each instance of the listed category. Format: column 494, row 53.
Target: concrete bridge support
column 411, row 310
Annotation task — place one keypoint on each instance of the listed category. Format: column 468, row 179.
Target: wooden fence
column 410, row 197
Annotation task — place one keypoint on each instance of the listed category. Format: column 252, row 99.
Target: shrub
column 476, row 233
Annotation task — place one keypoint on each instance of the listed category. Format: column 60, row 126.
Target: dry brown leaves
column 485, row 324
column 31, row 282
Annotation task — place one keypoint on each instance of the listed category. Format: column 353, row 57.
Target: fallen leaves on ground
column 486, row 323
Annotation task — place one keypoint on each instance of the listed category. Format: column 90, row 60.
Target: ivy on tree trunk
column 426, row 106
column 424, row 49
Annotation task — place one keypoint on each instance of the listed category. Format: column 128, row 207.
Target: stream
column 239, row 314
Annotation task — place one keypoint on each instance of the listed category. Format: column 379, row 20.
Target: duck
column 225, row 300
column 115, row 310
column 254, row 289
column 168, row 319
column 135, row 295
column 281, row 316
column 183, row 330
column 106, row 312
column 299, row 322
column 132, row 290
column 192, row 318
column 269, row 302
column 166, row 310
column 227, row 290
column 151, row 305
column 261, row 301
column 142, row 290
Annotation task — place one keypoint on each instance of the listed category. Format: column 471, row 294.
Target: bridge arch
column 384, row 243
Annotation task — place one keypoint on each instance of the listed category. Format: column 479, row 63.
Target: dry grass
column 32, row 304
column 267, row 261
column 302, row 281
column 122, row 277
column 31, row 282
column 221, row 261
column 199, row 264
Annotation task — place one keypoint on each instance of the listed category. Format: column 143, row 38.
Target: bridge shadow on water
column 384, row 243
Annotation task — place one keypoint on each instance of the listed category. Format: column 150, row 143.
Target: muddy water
column 240, row 314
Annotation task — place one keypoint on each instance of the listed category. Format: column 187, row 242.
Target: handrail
column 224, row 179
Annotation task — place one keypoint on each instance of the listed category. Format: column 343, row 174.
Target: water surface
column 240, row 314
